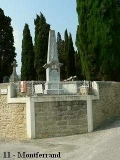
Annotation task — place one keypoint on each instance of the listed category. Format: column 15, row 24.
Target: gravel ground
column 103, row 144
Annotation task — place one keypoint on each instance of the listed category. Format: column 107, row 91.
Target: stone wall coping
column 64, row 98
column 112, row 82
column 53, row 98
column 17, row 100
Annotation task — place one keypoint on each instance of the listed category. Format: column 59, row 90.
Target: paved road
column 99, row 145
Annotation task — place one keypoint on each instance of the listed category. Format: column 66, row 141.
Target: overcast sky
column 60, row 14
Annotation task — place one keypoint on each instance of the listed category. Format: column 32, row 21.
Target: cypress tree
column 71, row 57
column 60, row 50
column 87, row 54
column 27, row 58
column 41, row 45
column 65, row 56
column 110, row 41
column 98, row 39
column 78, row 67
column 7, row 49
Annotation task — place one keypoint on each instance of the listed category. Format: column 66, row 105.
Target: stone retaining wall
column 52, row 116
column 54, row 119
column 108, row 106
column 12, row 118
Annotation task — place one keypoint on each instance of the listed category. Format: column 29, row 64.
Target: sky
column 60, row 14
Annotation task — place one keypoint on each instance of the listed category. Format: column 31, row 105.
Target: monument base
column 53, row 88
column 54, row 91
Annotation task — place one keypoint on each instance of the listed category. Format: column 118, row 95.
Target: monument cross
column 14, row 64
column 14, row 76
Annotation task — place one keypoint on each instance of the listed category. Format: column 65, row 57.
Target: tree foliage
column 27, row 58
column 65, row 56
column 7, row 49
column 60, row 50
column 78, row 66
column 98, row 39
column 71, row 57
column 41, row 45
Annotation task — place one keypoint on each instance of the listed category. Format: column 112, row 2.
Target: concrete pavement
column 103, row 144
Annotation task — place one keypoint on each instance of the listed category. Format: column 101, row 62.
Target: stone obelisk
column 52, row 67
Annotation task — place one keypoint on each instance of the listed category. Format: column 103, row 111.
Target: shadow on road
column 114, row 123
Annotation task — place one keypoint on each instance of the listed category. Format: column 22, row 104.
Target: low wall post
column 89, row 113
column 30, row 115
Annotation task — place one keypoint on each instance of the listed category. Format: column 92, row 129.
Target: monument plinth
column 52, row 67
column 14, row 76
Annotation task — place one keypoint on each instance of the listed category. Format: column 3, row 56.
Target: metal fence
column 37, row 88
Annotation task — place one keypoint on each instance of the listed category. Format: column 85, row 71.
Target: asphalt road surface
column 103, row 144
